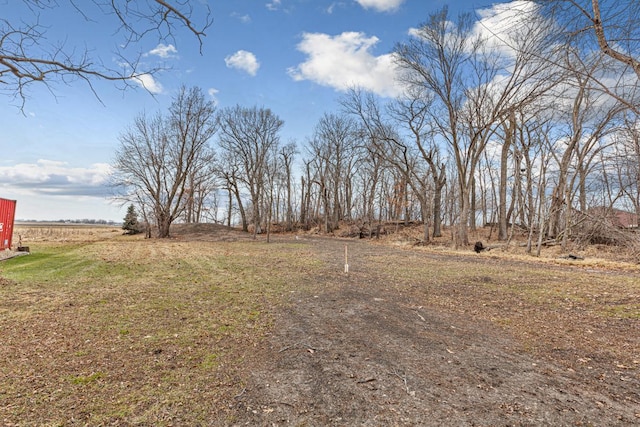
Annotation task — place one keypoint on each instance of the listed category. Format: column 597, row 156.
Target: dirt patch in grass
column 213, row 328
column 415, row 338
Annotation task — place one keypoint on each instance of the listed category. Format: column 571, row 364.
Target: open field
column 213, row 328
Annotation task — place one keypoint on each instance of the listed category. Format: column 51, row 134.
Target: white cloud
column 245, row 19
column 244, row 61
column 274, row 5
column 381, row 5
column 503, row 23
column 55, row 177
column 148, row 82
column 213, row 92
column 163, row 51
column 329, row 10
column 345, row 61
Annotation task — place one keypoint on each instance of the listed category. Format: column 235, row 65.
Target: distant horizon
column 86, row 221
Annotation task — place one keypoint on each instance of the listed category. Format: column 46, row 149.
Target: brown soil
column 363, row 348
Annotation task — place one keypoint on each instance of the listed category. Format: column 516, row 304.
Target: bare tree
column 287, row 155
column 159, row 154
column 27, row 56
column 628, row 162
column 589, row 118
column 475, row 84
column 228, row 170
column 509, row 141
column 250, row 136
column 306, row 185
column 333, row 153
column 412, row 113
column 531, row 130
column 200, row 190
column 372, row 171
column 416, row 156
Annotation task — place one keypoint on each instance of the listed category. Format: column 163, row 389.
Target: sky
column 295, row 57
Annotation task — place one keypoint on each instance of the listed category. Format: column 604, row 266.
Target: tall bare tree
column 228, row 170
column 333, row 154
column 287, row 156
column 475, row 83
column 158, row 155
column 251, row 136
column 413, row 154
column 588, row 116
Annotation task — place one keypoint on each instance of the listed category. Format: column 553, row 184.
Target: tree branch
column 604, row 44
column 26, row 57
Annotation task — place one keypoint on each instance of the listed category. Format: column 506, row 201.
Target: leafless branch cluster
column 602, row 227
column 582, row 26
column 28, row 56
column 165, row 163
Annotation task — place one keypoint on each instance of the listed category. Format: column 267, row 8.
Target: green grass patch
column 88, row 379
column 622, row 311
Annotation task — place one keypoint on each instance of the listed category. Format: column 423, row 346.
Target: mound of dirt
column 207, row 232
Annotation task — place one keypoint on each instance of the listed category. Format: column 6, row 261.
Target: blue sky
column 292, row 56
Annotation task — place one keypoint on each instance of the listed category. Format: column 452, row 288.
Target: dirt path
column 359, row 350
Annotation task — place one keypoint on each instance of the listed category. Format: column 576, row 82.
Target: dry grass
column 594, row 256
column 100, row 328
column 127, row 329
column 29, row 233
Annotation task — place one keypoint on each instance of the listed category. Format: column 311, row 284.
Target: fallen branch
column 404, row 380
column 298, row 345
column 573, row 257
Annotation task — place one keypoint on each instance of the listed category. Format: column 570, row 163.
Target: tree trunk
column 440, row 180
column 504, row 170
column 424, row 207
column 327, row 214
column 289, row 219
column 230, row 207
column 471, row 211
column 304, row 204
column 502, row 191
column 164, row 223
column 243, row 214
column 463, row 229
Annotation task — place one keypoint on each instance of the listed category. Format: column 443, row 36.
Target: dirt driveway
column 371, row 348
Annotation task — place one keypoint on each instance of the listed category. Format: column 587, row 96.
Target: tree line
column 523, row 124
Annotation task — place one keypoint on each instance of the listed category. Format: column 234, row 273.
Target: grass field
column 99, row 328
column 127, row 328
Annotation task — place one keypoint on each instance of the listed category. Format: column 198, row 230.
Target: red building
column 7, row 215
column 616, row 217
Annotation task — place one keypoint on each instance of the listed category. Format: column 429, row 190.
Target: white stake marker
column 346, row 260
